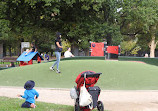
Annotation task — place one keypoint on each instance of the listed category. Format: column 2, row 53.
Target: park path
column 113, row 100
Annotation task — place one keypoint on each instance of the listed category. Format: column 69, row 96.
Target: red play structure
column 97, row 49
column 28, row 59
column 101, row 49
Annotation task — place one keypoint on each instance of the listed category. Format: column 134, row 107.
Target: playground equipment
column 101, row 49
column 23, row 58
column 98, row 49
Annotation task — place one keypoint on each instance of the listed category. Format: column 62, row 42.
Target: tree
column 129, row 47
column 21, row 20
column 90, row 21
column 80, row 21
column 139, row 18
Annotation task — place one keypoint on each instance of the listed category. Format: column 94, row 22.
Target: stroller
column 94, row 91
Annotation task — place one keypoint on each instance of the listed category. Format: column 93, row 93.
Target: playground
column 132, row 86
column 60, row 46
column 113, row 100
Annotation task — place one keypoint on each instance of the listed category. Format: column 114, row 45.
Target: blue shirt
column 29, row 95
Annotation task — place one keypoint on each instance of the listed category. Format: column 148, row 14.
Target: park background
column 133, row 24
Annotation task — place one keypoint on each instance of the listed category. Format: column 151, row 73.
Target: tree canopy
column 79, row 21
column 139, row 18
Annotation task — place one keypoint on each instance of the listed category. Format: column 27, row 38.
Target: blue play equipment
column 29, row 56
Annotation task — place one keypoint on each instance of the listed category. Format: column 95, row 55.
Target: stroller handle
column 91, row 74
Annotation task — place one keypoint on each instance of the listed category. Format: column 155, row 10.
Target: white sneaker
column 58, row 71
column 51, row 68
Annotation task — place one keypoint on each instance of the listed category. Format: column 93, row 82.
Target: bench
column 9, row 59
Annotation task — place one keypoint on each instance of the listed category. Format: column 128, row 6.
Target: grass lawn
column 10, row 104
column 117, row 75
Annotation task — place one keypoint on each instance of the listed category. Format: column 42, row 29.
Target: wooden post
column 1, row 51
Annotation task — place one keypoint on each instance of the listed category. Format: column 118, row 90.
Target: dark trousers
column 26, row 105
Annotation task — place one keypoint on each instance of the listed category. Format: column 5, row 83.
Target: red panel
column 39, row 59
column 112, row 49
column 22, row 63
column 97, row 49
column 30, row 62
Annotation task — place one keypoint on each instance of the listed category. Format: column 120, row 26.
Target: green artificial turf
column 117, row 75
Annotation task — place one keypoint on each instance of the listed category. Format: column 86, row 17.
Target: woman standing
column 58, row 50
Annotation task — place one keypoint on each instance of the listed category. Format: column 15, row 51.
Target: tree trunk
column 75, row 49
column 152, row 46
column 19, row 50
column 1, row 50
column 4, row 50
column 109, row 39
column 86, row 52
column 10, row 50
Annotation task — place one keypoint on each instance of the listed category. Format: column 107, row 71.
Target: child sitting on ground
column 30, row 94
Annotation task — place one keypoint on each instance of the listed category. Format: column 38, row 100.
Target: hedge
column 152, row 61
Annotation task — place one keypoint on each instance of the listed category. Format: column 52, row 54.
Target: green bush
column 151, row 61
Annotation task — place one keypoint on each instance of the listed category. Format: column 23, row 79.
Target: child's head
column 27, row 50
column 32, row 44
column 58, row 34
column 69, row 49
column 29, row 85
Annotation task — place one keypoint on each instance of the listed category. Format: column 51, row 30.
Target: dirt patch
column 138, row 62
column 113, row 100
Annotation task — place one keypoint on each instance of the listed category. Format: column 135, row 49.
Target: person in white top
column 68, row 53
column 146, row 55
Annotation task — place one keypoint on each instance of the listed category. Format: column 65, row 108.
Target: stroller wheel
column 77, row 107
column 100, row 106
